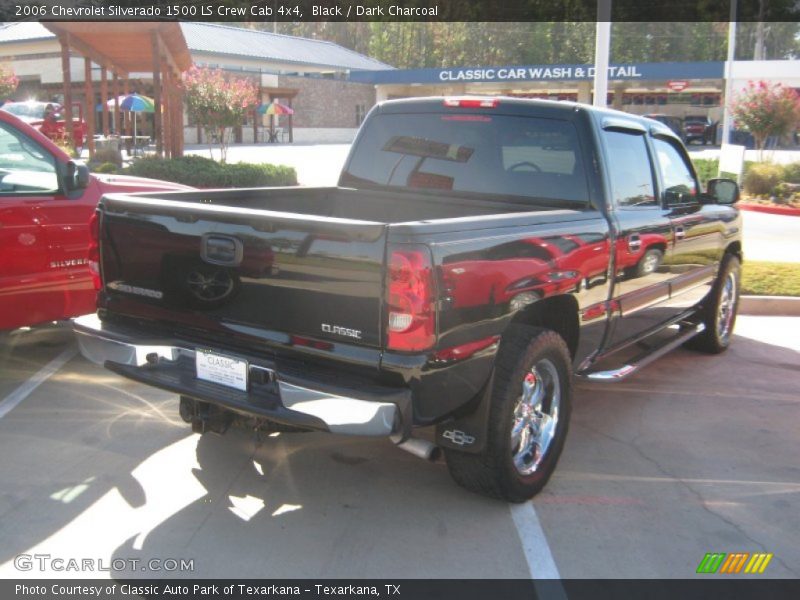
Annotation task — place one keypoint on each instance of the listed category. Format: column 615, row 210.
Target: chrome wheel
column 535, row 417
column 727, row 308
column 210, row 286
column 649, row 263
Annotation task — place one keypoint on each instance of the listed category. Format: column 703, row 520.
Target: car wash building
column 675, row 89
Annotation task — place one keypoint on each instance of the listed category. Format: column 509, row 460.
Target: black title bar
column 395, row 10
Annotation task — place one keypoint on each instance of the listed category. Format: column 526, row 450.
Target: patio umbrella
column 275, row 108
column 134, row 103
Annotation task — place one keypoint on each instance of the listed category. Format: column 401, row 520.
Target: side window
column 629, row 166
column 25, row 167
column 679, row 183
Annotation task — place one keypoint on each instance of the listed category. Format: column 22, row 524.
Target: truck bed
column 268, row 264
column 348, row 203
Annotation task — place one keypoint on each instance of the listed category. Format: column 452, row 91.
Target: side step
column 686, row 332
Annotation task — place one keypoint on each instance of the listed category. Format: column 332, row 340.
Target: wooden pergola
column 121, row 49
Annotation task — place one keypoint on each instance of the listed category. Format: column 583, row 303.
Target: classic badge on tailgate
column 221, row 369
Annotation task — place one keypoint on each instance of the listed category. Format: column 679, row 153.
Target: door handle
column 680, row 233
column 634, row 243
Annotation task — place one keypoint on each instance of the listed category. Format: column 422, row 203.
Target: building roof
column 250, row 43
column 224, row 40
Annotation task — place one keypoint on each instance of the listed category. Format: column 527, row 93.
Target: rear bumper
column 291, row 400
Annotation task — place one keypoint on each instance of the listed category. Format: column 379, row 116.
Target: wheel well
column 559, row 313
column 657, row 246
column 735, row 248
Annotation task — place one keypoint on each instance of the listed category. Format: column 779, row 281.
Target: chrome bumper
column 113, row 347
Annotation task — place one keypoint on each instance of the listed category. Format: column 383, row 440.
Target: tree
column 766, row 109
column 8, row 83
column 217, row 103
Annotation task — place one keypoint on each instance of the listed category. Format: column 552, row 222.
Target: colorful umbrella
column 134, row 103
column 275, row 108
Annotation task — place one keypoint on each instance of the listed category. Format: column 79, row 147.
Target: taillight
column 471, row 102
column 411, row 318
column 94, row 250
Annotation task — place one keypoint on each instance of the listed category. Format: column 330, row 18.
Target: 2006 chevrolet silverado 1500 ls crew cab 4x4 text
column 476, row 255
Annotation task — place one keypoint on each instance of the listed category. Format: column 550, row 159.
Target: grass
column 761, row 278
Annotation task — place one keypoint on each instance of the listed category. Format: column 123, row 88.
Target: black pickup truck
column 476, row 255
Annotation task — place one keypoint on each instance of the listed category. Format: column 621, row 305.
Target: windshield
column 495, row 155
column 33, row 110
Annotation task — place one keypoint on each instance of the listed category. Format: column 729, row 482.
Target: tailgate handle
column 221, row 250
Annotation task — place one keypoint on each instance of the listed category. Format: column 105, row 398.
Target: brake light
column 94, row 250
column 471, row 102
column 411, row 322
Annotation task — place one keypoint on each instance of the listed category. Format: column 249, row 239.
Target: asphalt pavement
column 695, row 454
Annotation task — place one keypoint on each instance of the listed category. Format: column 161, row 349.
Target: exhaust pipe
column 421, row 448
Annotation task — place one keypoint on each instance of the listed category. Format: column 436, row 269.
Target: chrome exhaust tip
column 421, row 449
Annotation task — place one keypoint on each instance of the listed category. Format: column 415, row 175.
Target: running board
column 643, row 359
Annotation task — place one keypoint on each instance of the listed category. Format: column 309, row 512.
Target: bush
column 201, row 172
column 106, row 167
column 791, row 172
column 706, row 169
column 762, row 178
column 106, row 155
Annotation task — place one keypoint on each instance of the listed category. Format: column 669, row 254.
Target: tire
column 503, row 470
column 649, row 262
column 719, row 309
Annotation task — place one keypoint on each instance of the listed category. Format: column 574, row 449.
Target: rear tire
column 719, row 309
column 529, row 416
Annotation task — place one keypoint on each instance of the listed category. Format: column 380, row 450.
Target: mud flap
column 466, row 432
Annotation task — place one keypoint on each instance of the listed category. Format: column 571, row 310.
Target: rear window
column 495, row 155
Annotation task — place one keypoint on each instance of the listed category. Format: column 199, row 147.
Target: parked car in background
column 674, row 123
column 699, row 128
column 48, row 117
column 46, row 202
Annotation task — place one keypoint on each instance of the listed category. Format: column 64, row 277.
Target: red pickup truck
column 46, row 201
column 48, row 118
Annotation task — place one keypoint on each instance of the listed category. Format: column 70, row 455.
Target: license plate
column 220, row 369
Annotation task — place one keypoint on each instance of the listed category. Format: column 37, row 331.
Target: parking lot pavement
column 695, row 454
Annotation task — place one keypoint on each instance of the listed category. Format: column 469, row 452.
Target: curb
column 771, row 306
column 786, row 211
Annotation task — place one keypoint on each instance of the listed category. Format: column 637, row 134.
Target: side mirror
column 77, row 177
column 724, row 191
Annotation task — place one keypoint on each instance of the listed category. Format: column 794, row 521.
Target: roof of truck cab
column 521, row 106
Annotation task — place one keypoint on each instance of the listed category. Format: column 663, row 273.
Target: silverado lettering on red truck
column 476, row 256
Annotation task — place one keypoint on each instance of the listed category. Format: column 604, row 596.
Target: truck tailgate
column 241, row 270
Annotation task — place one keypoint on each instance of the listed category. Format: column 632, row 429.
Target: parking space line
column 534, row 543
column 23, row 391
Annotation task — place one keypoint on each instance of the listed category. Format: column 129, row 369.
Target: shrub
column 106, row 155
column 66, row 146
column 762, row 178
column 706, row 169
column 106, row 167
column 791, row 172
column 8, row 83
column 201, row 172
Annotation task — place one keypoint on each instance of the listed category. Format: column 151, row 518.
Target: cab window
column 679, row 183
column 25, row 167
column 630, row 171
